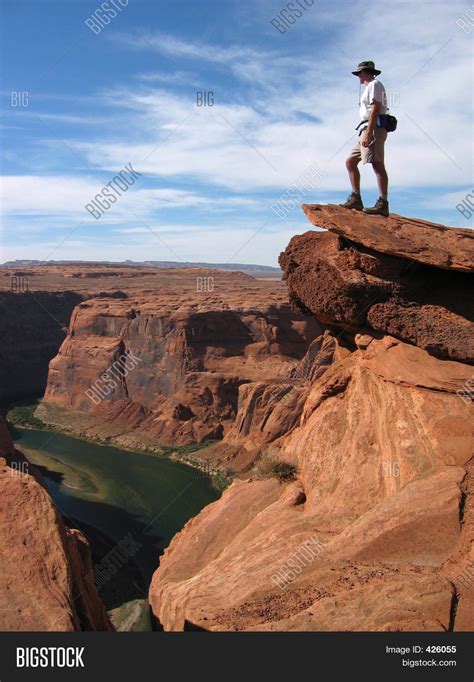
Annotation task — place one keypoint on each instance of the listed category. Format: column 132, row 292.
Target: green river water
column 107, row 493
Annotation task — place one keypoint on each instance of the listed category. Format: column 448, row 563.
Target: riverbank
column 25, row 416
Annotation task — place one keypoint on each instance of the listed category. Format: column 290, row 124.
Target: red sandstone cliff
column 405, row 284
column 376, row 530
column 196, row 359
column 43, row 564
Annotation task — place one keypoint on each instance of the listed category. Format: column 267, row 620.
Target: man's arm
column 369, row 131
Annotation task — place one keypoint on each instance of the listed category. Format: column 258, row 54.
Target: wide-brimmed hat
column 366, row 66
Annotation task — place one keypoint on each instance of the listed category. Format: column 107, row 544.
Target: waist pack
column 388, row 122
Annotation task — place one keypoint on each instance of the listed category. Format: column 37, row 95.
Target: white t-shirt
column 373, row 91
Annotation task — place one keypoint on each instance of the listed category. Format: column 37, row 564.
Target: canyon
column 340, row 400
column 376, row 529
column 198, row 334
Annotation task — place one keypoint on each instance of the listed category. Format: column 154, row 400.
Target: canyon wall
column 192, row 361
column 32, row 327
column 373, row 527
column 35, row 310
column 44, row 564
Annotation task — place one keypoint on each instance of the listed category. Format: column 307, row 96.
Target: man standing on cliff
column 371, row 142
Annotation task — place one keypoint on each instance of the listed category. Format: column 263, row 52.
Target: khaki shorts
column 374, row 152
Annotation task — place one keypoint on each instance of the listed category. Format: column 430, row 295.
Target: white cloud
column 59, row 195
column 167, row 77
column 174, row 47
column 235, row 145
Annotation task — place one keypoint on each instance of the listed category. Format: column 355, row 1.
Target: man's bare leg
column 382, row 178
column 354, row 175
column 354, row 201
column 381, row 206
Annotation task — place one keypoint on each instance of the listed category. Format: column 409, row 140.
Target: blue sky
column 284, row 101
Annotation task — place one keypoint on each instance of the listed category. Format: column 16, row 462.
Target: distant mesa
column 249, row 268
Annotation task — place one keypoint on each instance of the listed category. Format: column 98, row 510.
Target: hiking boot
column 380, row 208
column 353, row 201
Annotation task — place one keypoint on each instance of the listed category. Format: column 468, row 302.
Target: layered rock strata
column 189, row 363
column 375, row 530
